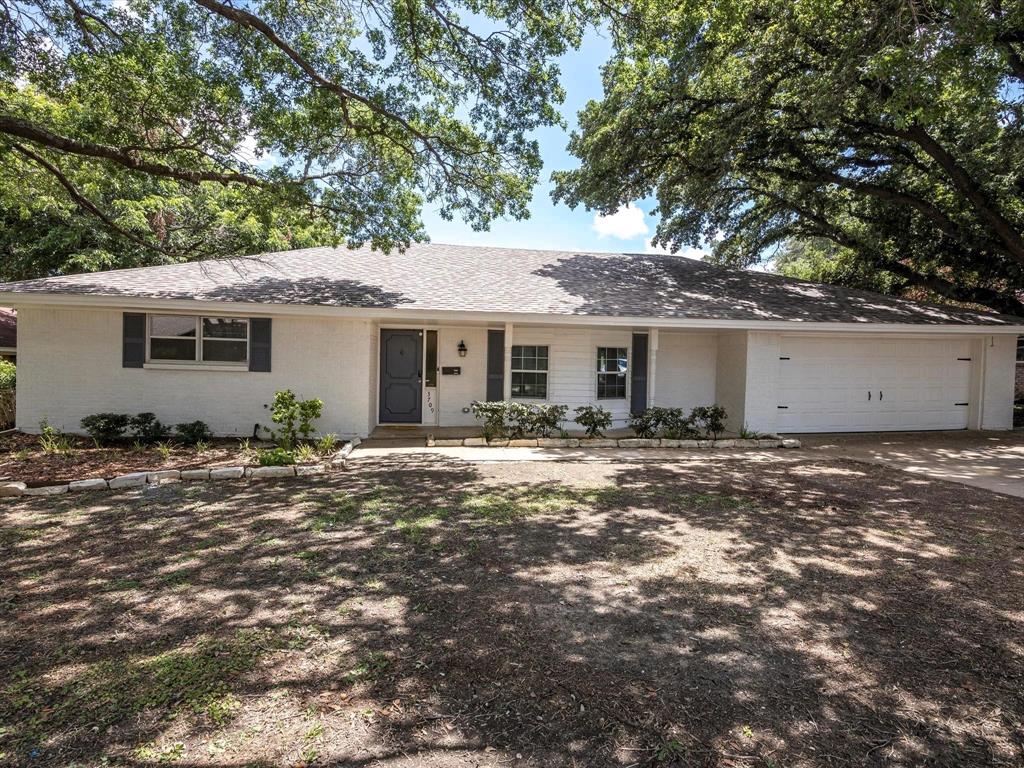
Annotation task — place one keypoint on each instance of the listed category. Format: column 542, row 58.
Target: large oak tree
column 889, row 129
column 153, row 130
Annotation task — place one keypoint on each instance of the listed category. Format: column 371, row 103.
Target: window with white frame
column 529, row 372
column 612, row 366
column 190, row 339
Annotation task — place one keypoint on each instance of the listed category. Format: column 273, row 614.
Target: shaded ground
column 429, row 613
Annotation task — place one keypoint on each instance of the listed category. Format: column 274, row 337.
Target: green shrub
column 646, row 423
column 294, row 418
column 148, row 428
column 548, row 418
column 710, row 418
column 305, row 453
column 194, row 432
column 52, row 440
column 493, row 415
column 327, row 444
column 502, row 418
column 519, row 420
column 676, row 426
column 8, row 375
column 594, row 419
column 276, row 457
column 106, row 428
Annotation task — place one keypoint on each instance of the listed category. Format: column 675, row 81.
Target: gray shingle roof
column 482, row 279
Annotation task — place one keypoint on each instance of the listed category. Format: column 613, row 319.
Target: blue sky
column 553, row 226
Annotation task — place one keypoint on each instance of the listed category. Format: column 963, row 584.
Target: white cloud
column 625, row 224
column 246, row 150
column 689, row 252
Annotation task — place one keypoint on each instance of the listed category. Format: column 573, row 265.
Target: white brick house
column 416, row 337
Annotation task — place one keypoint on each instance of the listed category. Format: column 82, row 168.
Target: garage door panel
column 841, row 385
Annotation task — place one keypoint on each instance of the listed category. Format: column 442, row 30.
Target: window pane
column 1020, row 349
column 219, row 351
column 611, row 359
column 172, row 349
column 527, row 384
column 611, row 385
column 172, row 325
column 225, row 328
column 430, row 371
column 529, row 358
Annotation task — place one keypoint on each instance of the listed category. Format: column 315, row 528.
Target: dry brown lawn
column 703, row 613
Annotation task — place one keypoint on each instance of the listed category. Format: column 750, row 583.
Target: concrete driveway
column 990, row 460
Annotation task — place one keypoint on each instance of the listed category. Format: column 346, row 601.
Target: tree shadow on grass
column 419, row 613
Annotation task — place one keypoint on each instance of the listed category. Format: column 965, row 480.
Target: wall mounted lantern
column 462, row 349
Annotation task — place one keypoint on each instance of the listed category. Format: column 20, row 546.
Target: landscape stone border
column 158, row 476
column 769, row 441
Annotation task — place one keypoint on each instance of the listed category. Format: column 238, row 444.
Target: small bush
column 295, row 418
column 646, row 423
column 519, row 420
column 106, row 428
column 193, row 432
column 594, row 419
column 548, row 418
column 8, row 375
column 305, row 453
column 52, row 440
column 327, row 444
column 493, row 415
column 710, row 418
column 676, row 426
column 276, row 457
column 148, row 428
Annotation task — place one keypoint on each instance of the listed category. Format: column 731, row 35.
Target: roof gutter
column 22, row 299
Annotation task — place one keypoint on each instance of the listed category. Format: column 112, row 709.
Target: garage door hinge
column 965, row 359
column 782, row 407
column 961, row 403
column 783, row 358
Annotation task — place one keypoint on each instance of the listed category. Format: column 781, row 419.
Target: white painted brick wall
column 69, row 366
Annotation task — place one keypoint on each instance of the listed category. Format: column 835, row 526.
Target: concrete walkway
column 989, row 460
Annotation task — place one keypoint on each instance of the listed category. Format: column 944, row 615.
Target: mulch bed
column 22, row 459
column 415, row 613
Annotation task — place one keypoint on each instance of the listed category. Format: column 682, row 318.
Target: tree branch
column 14, row 126
column 85, row 204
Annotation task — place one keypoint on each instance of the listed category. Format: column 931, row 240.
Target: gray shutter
column 133, row 340
column 638, row 374
column 495, row 366
column 259, row 344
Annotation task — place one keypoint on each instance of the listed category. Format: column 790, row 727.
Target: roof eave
column 25, row 299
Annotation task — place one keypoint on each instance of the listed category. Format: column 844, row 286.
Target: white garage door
column 856, row 385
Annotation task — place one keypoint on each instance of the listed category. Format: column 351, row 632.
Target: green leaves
column 358, row 118
column 891, row 130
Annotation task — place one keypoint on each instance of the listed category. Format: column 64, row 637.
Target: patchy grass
column 724, row 613
column 195, row 680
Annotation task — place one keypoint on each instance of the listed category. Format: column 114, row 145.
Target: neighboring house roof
column 8, row 328
column 482, row 279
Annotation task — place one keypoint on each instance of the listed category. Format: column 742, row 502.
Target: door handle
column 869, row 394
column 880, row 394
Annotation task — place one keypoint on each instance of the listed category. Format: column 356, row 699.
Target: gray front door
column 401, row 377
